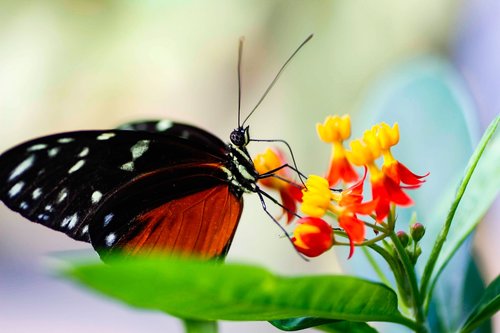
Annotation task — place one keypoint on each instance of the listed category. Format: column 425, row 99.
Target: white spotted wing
column 62, row 180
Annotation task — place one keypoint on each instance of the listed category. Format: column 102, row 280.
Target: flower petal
column 312, row 236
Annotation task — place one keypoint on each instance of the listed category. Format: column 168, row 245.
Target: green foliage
column 487, row 306
column 326, row 325
column 475, row 194
column 210, row 291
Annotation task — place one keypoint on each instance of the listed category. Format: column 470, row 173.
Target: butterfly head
column 240, row 136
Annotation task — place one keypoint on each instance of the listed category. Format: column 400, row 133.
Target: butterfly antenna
column 276, row 77
column 240, row 56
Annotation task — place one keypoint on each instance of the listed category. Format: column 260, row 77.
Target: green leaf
column 481, row 191
column 475, row 194
column 488, row 305
column 209, row 291
column 473, row 289
column 347, row 326
column 295, row 324
column 463, row 292
column 326, row 325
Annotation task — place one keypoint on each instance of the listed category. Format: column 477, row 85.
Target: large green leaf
column 209, row 291
column 488, row 305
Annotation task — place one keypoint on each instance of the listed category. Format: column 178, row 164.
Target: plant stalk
column 200, row 326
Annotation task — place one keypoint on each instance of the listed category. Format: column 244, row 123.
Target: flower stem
column 376, row 267
column 376, row 227
column 395, row 265
column 412, row 280
column 200, row 326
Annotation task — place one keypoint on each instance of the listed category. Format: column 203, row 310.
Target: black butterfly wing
column 182, row 209
column 184, row 131
column 61, row 180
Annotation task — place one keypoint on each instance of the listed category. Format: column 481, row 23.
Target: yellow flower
column 335, row 130
column 388, row 136
column 316, row 196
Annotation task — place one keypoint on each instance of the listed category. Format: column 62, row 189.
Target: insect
column 150, row 186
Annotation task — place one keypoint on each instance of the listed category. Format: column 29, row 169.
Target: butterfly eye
column 240, row 137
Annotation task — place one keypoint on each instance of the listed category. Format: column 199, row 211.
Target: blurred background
column 431, row 65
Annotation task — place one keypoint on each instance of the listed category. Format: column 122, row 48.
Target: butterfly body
column 153, row 186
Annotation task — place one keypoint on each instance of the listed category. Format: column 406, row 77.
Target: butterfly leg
column 261, row 195
column 294, row 168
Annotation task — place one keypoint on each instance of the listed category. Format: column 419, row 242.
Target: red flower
column 388, row 137
column 312, row 236
column 386, row 191
column 399, row 173
column 386, row 188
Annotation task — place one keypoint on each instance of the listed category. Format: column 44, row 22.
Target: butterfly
column 147, row 186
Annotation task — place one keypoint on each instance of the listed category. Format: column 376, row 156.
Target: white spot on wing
column 139, row 149
column 39, row 146
column 65, row 140
column 49, row 208
column 96, row 196
column 85, row 229
column 110, row 239
column 70, row 221
column 14, row 190
column 163, row 125
column 53, row 152
column 108, row 218
column 36, row 193
column 77, row 166
column 62, row 195
column 43, row 217
column 23, row 166
column 84, row 152
column 129, row 166
column 23, row 205
column 105, row 136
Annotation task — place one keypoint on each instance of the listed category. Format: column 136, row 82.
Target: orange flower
column 290, row 192
column 312, row 236
column 384, row 189
column 335, row 130
column 394, row 169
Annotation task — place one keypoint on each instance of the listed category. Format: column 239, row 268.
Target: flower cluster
column 313, row 235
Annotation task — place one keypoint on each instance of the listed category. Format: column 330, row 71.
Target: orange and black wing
column 187, row 209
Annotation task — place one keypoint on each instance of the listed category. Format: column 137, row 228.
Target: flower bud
column 403, row 238
column 417, row 231
column 312, row 236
